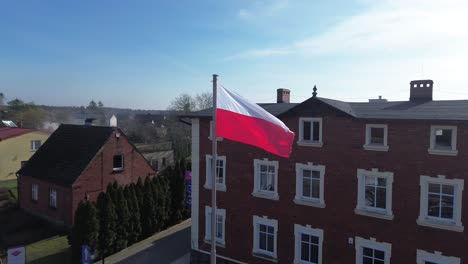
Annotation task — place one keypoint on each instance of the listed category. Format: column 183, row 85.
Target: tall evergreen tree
column 107, row 225
column 123, row 215
column 148, row 221
column 85, row 231
column 134, row 219
column 178, row 193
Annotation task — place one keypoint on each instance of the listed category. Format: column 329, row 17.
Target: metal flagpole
column 213, row 172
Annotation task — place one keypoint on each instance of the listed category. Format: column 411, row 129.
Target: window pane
column 434, row 188
column 263, row 181
column 314, row 254
column 306, row 173
column 314, row 240
column 379, row 262
column 377, row 135
column 370, row 180
column 381, row 198
column 367, row 260
column 379, row 254
column 316, row 189
column 306, row 187
column 443, row 138
column 433, row 205
column 370, row 196
column 262, row 228
column 271, row 243
column 316, row 133
column 316, row 174
column 305, row 238
column 307, row 130
column 367, row 252
column 382, row 182
column 262, row 241
column 305, row 251
column 448, row 189
column 271, row 230
column 447, row 207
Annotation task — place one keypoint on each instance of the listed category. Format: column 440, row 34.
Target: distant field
column 10, row 184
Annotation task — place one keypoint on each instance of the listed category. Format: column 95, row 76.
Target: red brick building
column 77, row 162
column 376, row 182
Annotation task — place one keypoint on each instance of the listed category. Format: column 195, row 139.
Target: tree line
column 122, row 216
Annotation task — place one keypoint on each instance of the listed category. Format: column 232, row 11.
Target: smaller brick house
column 77, row 162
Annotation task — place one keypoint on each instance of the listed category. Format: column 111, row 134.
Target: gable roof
column 67, row 152
column 9, row 132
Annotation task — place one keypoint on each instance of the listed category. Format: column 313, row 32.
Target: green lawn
column 10, row 184
column 54, row 250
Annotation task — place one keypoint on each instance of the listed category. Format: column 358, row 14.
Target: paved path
column 171, row 246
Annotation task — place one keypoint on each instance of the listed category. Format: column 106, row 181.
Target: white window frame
column 453, row 225
column 257, row 192
column 34, row 192
column 208, row 184
column 219, row 212
column 372, row 243
column 34, row 146
column 361, row 207
column 368, row 145
column 432, row 144
column 53, row 198
column 301, row 141
column 299, row 198
column 122, row 160
column 298, row 231
column 436, row 257
column 256, row 251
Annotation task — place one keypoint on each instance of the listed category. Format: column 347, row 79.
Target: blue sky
column 141, row 54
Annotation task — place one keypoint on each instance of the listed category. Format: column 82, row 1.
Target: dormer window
column 118, row 162
column 310, row 132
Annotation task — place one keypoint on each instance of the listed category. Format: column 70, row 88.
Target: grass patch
column 12, row 186
column 54, row 250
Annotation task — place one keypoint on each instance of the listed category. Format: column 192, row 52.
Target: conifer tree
column 85, row 231
column 134, row 219
column 178, row 193
column 122, row 228
column 148, row 221
column 107, row 224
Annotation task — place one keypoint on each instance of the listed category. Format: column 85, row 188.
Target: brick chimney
column 421, row 90
column 282, row 95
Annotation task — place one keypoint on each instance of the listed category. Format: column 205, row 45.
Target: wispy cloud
column 385, row 26
column 264, row 8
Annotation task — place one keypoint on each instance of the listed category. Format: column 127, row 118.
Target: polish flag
column 246, row 122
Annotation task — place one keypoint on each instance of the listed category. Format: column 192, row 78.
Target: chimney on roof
column 282, row 95
column 380, row 100
column 421, row 90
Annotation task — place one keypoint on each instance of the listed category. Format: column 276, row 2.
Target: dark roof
column 67, row 152
column 418, row 109
column 272, row 108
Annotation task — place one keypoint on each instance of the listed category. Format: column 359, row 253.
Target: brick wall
column 342, row 154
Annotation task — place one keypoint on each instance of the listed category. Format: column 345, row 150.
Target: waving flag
column 240, row 120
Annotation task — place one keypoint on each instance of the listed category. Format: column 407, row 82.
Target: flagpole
column 213, row 172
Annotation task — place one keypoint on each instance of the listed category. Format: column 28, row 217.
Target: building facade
column 17, row 145
column 377, row 182
column 77, row 162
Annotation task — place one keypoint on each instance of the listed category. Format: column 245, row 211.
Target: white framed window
column 53, row 198
column 374, row 193
column 266, row 179
column 308, row 245
column 265, row 237
column 220, row 172
column 424, row 257
column 443, row 140
column 34, row 192
column 441, row 202
column 310, row 184
column 376, row 137
column 35, row 145
column 220, row 225
column 310, row 131
column 371, row 251
column 118, row 162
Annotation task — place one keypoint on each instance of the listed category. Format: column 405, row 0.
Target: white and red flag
column 240, row 120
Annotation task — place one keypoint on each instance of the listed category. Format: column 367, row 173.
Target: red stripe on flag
column 254, row 131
